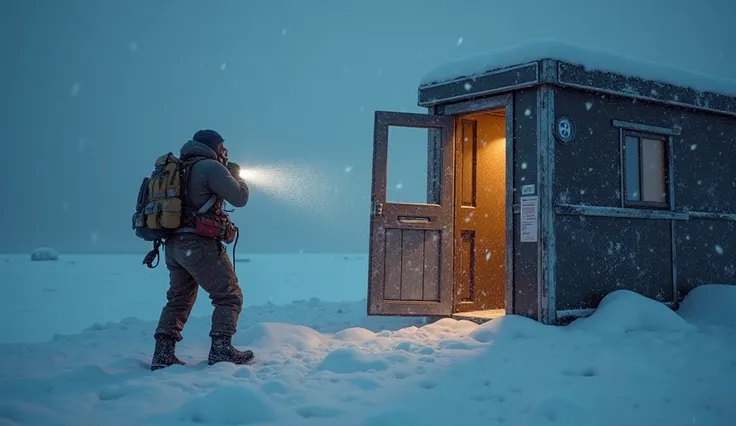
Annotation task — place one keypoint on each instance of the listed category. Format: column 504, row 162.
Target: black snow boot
column 222, row 350
column 163, row 355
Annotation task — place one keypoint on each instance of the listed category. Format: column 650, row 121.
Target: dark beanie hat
column 208, row 137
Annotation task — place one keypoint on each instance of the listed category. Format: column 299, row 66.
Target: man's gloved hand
column 234, row 169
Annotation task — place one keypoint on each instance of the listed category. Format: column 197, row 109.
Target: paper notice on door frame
column 529, row 219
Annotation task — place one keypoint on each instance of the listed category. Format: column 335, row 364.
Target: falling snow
column 348, row 169
column 188, row 253
column 94, row 237
column 283, row 32
column 523, row 165
column 468, row 86
column 459, row 41
column 65, row 205
column 719, row 249
column 399, row 185
column 223, row 66
column 693, row 147
column 588, row 105
column 75, row 89
column 133, row 46
column 528, row 112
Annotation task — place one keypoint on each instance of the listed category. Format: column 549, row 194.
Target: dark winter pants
column 193, row 260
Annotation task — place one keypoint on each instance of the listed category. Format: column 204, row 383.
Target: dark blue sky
column 93, row 91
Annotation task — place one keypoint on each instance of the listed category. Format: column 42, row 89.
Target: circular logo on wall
column 564, row 130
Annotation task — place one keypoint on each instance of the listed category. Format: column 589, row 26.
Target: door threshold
column 480, row 316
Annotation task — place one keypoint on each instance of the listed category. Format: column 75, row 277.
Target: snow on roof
column 589, row 58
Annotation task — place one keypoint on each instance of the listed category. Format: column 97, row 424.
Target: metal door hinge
column 377, row 208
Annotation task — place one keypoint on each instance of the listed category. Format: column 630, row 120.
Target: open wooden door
column 411, row 243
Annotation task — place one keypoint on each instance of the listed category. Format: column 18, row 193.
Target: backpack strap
column 206, row 206
column 188, row 164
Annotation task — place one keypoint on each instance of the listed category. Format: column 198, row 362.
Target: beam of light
column 300, row 186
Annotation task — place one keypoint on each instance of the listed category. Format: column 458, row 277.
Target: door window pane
column 409, row 178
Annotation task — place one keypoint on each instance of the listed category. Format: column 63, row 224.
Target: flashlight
column 246, row 173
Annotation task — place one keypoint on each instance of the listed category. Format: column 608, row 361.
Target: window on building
column 645, row 170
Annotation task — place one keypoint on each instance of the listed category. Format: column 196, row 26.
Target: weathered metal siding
column 596, row 255
column 705, row 162
column 706, row 253
column 705, row 184
column 525, row 172
column 587, row 170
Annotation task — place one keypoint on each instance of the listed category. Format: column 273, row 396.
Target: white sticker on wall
column 528, row 189
column 529, row 219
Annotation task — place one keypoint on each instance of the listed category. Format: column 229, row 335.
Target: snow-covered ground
column 634, row 362
column 78, row 290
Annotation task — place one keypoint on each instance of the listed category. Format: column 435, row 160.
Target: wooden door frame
column 478, row 105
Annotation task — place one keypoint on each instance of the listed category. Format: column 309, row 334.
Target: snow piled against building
column 589, row 58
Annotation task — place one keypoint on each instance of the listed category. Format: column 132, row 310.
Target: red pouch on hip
column 207, row 227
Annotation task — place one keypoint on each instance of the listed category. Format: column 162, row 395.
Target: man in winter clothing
column 194, row 260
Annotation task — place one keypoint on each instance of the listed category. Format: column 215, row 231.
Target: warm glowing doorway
column 480, row 214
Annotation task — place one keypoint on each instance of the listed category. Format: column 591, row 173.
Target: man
column 194, row 260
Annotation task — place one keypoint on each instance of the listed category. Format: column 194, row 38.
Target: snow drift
column 632, row 362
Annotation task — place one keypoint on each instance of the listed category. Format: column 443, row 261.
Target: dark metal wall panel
column 705, row 162
column 644, row 89
column 706, row 253
column 499, row 81
column 587, row 170
column 598, row 255
column 525, row 172
column 525, row 140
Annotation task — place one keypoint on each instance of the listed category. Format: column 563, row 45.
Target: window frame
column 666, row 140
